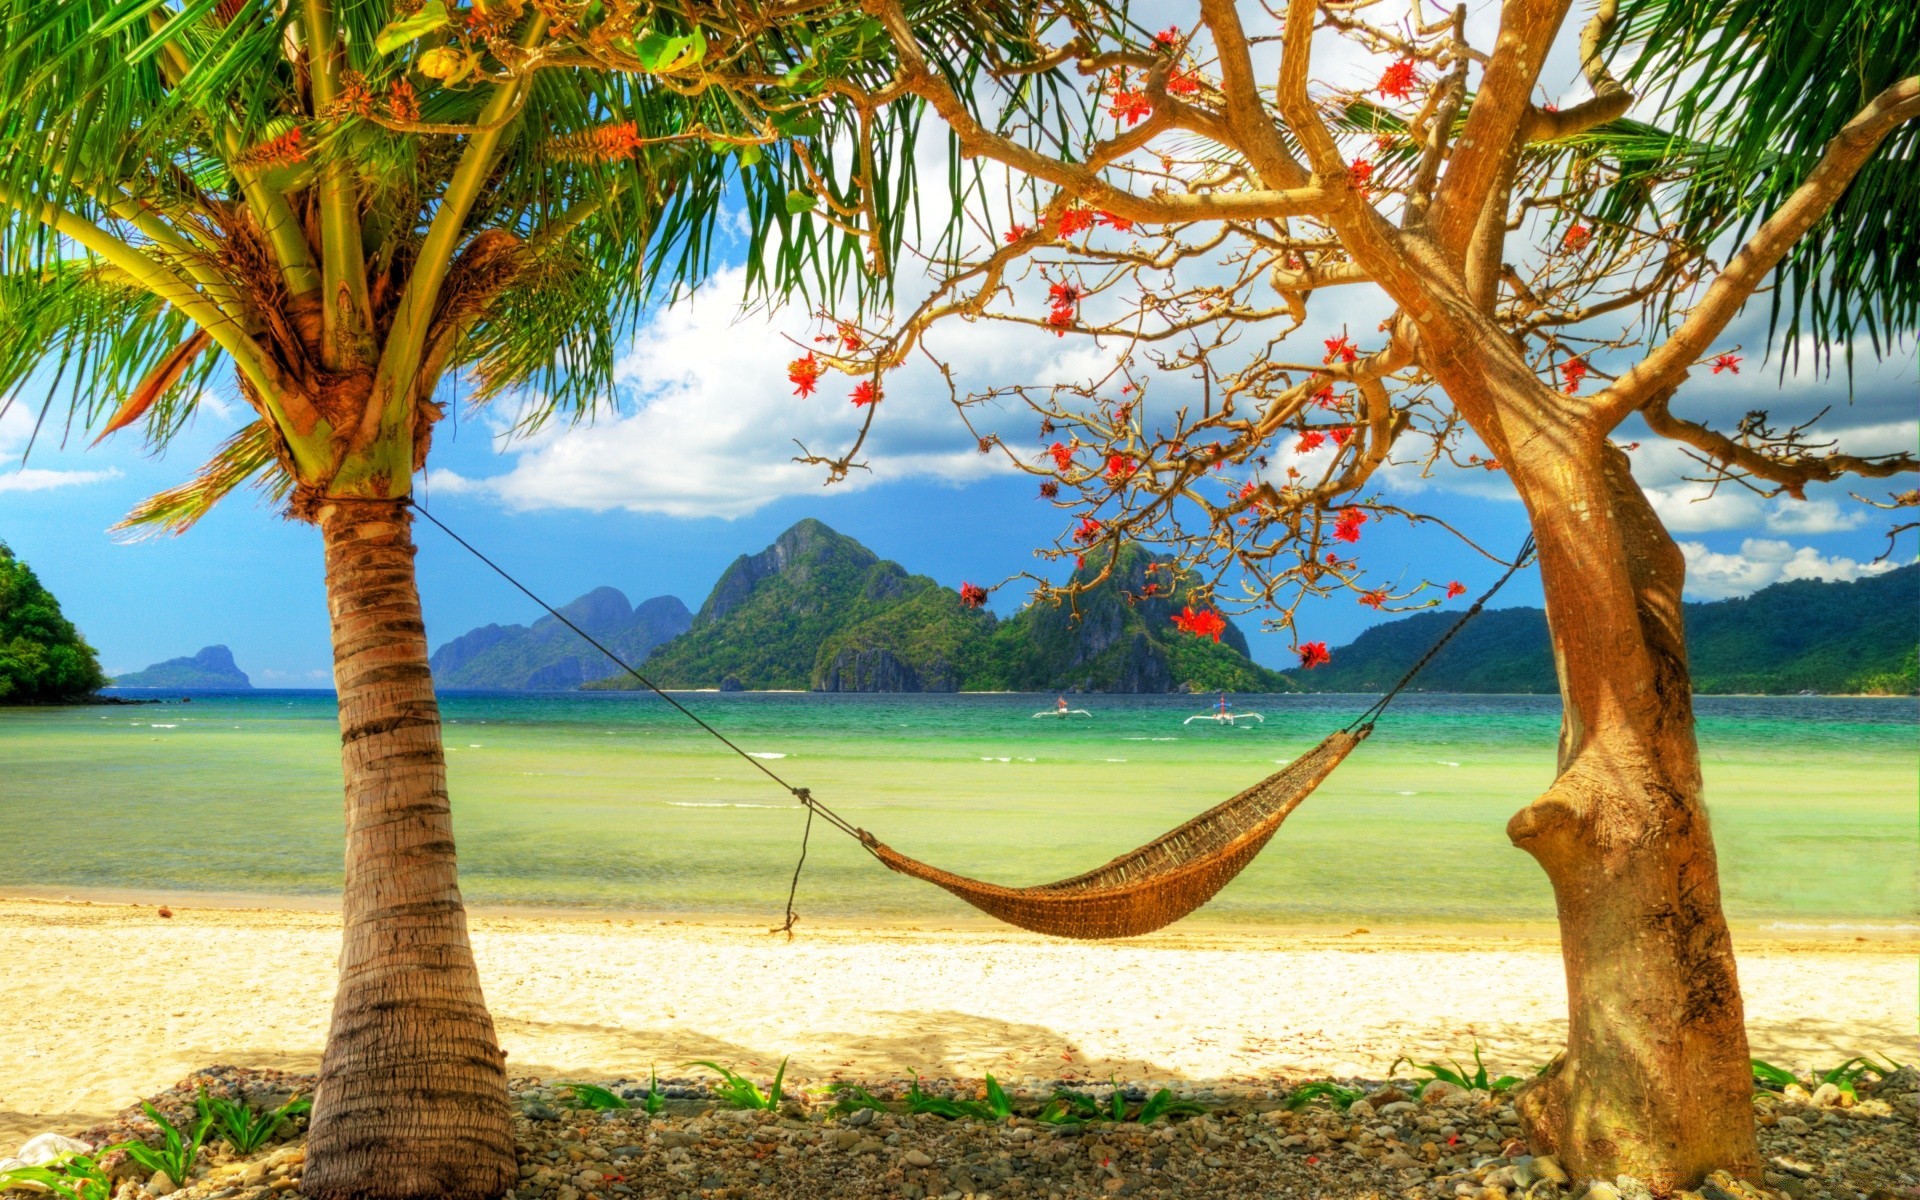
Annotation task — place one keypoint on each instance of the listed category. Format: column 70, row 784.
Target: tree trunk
column 1655, row 1081
column 412, row 1097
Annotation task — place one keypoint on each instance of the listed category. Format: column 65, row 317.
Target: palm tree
column 335, row 204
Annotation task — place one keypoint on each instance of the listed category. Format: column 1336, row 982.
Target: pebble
column 1455, row 1143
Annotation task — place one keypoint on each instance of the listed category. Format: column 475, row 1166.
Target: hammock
column 1138, row 892
column 1164, row 880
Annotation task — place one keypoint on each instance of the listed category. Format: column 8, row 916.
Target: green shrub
column 242, row 1127
column 737, row 1091
column 592, row 1098
column 176, row 1153
column 71, row 1177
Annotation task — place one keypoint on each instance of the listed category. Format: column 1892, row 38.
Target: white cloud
column 1712, row 575
column 713, row 424
column 1813, row 516
column 38, row 479
column 1694, row 508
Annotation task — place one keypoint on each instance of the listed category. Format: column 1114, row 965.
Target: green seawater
column 615, row 801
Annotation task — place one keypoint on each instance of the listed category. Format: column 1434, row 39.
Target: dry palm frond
column 241, row 457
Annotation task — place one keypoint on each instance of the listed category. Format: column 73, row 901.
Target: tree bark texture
column 1655, row 1080
column 412, row 1095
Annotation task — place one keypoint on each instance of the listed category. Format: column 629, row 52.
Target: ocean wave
column 763, row 754
column 720, row 804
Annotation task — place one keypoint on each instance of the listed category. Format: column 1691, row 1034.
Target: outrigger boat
column 1226, row 718
column 1223, row 714
column 1060, row 709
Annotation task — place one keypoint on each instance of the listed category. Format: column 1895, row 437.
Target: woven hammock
column 1164, row 880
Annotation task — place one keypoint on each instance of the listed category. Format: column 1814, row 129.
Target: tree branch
column 1792, row 472
column 1845, row 155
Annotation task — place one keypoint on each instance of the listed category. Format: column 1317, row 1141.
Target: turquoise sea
column 615, row 801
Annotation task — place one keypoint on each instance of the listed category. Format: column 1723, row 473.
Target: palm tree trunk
column 412, row 1096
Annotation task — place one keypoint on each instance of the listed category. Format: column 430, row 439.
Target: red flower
column 1341, row 434
column 865, row 393
column 1074, row 220
column 849, row 337
column 1049, row 489
column 1346, row 528
column 1397, row 81
column 1456, row 588
column 972, row 595
column 1375, row 598
column 1205, row 623
column 1183, row 83
column 276, row 152
column 1117, row 224
column 1130, row 106
column 1120, row 468
column 1311, row 440
column 1573, row 371
column 1060, row 317
column 1577, row 237
column 1087, row 532
column 1314, row 654
column 1340, row 348
column 1248, row 488
column 401, row 102
column 1168, row 38
column 1014, row 234
column 1064, row 293
column 1727, row 362
column 1324, row 397
column 804, row 374
column 1062, row 456
column 1359, row 174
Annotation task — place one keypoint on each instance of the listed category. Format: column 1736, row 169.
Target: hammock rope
column 1138, row 892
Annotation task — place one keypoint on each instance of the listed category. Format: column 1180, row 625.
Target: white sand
column 106, row 1002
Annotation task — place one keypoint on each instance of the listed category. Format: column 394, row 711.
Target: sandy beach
column 107, row 1001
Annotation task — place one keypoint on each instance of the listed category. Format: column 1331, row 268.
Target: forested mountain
column 42, row 656
column 213, row 669
column 817, row 610
column 1803, row 635
column 550, row 657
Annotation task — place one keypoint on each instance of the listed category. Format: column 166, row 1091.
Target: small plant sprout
column 70, row 1177
column 1068, row 1106
column 919, row 1101
column 1845, row 1077
column 1341, row 1098
column 595, row 1099
column 176, row 1153
column 851, row 1098
column 656, row 1100
column 1457, row 1075
column 243, row 1128
column 737, row 1091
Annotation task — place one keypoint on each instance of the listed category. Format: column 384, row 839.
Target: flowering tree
column 1542, row 276
column 329, row 206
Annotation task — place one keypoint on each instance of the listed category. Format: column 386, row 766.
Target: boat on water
column 1224, row 714
column 1231, row 718
column 1060, row 709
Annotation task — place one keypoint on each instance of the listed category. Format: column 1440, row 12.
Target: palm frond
column 1752, row 90
column 250, row 454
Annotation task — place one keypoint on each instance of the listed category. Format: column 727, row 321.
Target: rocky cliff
column 548, row 656
column 213, row 669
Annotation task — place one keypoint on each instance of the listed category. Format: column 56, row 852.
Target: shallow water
column 615, row 801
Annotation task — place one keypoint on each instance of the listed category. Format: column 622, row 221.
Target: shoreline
column 1779, row 933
